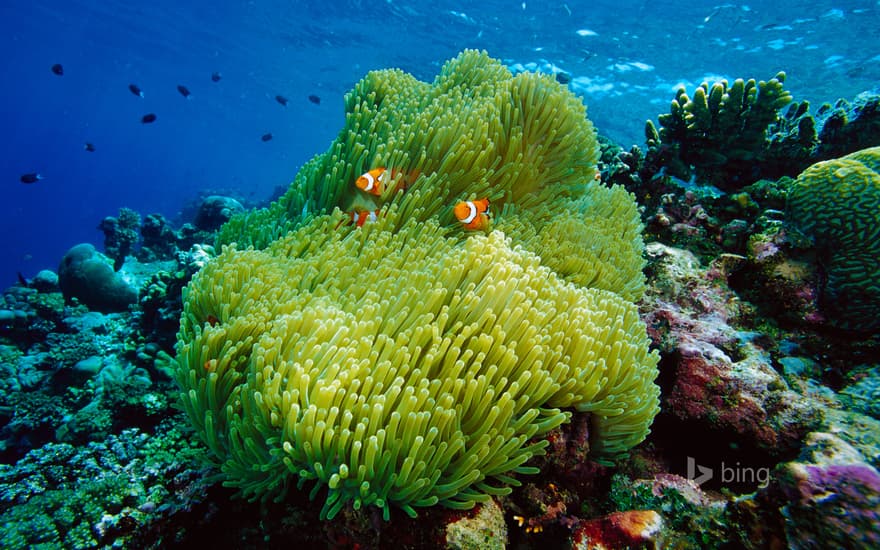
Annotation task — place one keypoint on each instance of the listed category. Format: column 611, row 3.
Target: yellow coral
column 410, row 362
column 594, row 241
column 477, row 131
column 402, row 367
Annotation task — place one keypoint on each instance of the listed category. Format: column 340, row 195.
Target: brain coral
column 408, row 362
column 836, row 203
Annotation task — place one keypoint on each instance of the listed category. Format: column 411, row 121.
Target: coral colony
column 473, row 323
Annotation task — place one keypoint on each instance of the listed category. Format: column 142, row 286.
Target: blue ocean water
column 625, row 59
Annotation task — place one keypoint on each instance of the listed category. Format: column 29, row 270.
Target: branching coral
column 732, row 136
column 120, row 235
column 836, row 204
column 849, row 126
column 719, row 135
column 409, row 362
column 792, row 142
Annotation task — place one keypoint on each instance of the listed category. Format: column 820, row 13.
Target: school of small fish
column 473, row 215
column 149, row 118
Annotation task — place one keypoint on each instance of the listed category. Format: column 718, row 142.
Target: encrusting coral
column 836, row 204
column 409, row 362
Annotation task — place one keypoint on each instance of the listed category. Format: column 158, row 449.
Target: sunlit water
column 625, row 59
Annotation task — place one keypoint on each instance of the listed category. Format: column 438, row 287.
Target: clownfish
column 359, row 218
column 374, row 181
column 473, row 214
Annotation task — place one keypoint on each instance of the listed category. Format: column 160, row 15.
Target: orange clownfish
column 359, row 218
column 473, row 214
column 374, row 181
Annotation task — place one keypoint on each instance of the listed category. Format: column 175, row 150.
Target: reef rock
column 828, row 498
column 485, row 530
column 45, row 281
column 215, row 211
column 87, row 275
column 719, row 381
column 631, row 529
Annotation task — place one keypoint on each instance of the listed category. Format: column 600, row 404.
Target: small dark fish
column 90, row 147
column 22, row 281
column 563, row 78
column 281, row 99
column 148, row 118
column 775, row 27
column 215, row 77
column 267, row 137
column 183, row 90
column 135, row 90
column 58, row 69
column 855, row 71
column 32, row 177
column 315, row 99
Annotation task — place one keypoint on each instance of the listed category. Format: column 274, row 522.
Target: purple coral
column 833, row 506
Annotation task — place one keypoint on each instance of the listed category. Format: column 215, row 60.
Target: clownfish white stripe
column 370, row 181
column 472, row 212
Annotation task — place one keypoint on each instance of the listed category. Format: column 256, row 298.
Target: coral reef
column 85, row 274
column 792, row 142
column 93, row 496
column 828, row 498
column 159, row 240
column 784, row 286
column 631, row 529
column 160, row 303
column 154, row 239
column 846, row 127
column 216, row 210
column 863, row 395
column 120, row 235
column 719, row 135
column 692, row 215
column 731, row 136
column 410, row 362
column 721, row 380
column 28, row 315
column 691, row 517
column 89, row 455
column 485, row 530
column 836, row 205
